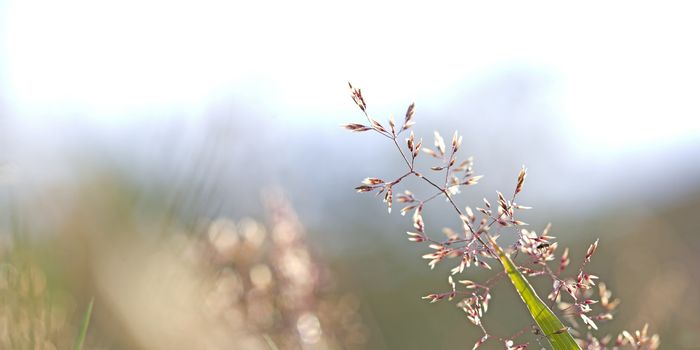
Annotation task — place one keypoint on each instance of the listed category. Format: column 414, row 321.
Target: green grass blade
column 80, row 339
column 270, row 343
column 558, row 336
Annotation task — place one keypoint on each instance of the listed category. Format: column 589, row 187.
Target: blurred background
column 183, row 164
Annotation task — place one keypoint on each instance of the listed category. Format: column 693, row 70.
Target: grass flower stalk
column 475, row 243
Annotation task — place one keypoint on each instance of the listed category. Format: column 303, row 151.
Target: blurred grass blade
column 80, row 339
column 557, row 333
column 270, row 343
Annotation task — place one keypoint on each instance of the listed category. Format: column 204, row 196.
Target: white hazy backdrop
column 598, row 100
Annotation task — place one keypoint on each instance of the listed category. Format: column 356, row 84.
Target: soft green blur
column 146, row 252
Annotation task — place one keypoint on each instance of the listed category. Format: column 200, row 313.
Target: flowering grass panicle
column 269, row 282
column 474, row 244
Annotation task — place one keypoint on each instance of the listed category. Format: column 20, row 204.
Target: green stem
column 80, row 339
column 556, row 332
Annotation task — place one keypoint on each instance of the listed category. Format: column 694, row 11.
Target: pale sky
column 625, row 73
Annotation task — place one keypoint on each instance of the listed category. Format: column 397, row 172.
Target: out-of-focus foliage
column 31, row 317
column 165, row 282
column 217, row 284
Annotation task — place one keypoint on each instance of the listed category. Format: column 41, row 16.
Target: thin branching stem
column 410, row 166
column 539, row 248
